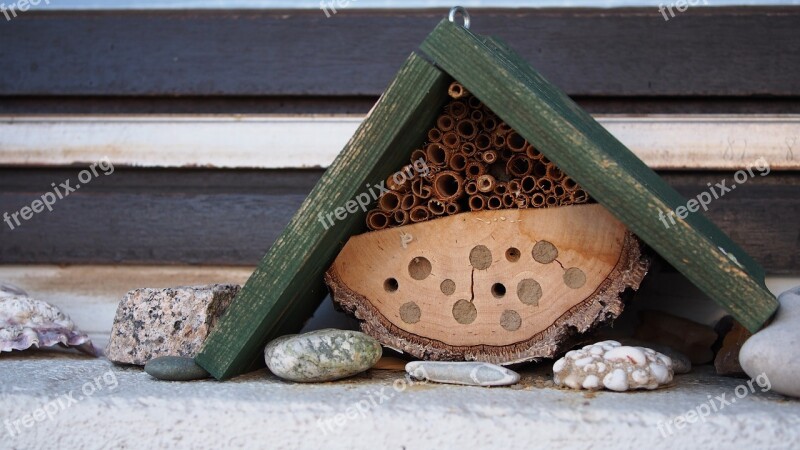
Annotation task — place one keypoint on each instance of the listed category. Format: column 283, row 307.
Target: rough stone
column 322, row 355
column 465, row 373
column 774, row 352
column 166, row 322
column 175, row 368
column 610, row 365
column 727, row 360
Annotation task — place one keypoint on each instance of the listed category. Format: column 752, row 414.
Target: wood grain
column 727, row 51
column 499, row 286
column 586, row 236
column 705, row 142
column 149, row 216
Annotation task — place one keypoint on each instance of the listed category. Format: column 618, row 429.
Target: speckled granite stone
column 166, row 322
column 323, row 355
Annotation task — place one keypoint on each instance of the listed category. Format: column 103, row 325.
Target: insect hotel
column 510, row 223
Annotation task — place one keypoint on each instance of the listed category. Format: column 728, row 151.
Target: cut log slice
column 501, row 286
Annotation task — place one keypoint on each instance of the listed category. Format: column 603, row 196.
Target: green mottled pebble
column 323, row 355
column 175, row 368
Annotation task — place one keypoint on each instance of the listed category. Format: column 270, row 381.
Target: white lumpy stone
column 632, row 354
column 591, row 382
column 613, row 366
column 616, row 380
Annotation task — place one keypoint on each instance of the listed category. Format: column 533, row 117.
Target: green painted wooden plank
column 609, row 171
column 287, row 286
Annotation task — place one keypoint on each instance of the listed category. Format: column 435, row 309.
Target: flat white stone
column 466, row 373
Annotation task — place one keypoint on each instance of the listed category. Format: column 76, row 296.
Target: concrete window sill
column 125, row 408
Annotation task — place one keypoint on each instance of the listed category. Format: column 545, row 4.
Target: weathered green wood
column 288, row 284
column 610, row 172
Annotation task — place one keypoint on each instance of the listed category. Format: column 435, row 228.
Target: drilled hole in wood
column 464, row 312
column 510, row 320
column 419, row 268
column 544, row 252
column 513, row 254
column 448, row 287
column 529, row 291
column 498, row 290
column 410, row 312
column 480, row 257
column 574, row 278
column 390, row 285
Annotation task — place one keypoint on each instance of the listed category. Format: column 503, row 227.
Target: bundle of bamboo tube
column 476, row 162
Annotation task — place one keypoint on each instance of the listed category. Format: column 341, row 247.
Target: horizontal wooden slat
column 360, row 105
column 728, row 51
column 473, row 5
column 232, row 216
column 267, row 142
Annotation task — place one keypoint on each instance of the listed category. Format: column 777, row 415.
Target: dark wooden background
column 625, row 61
